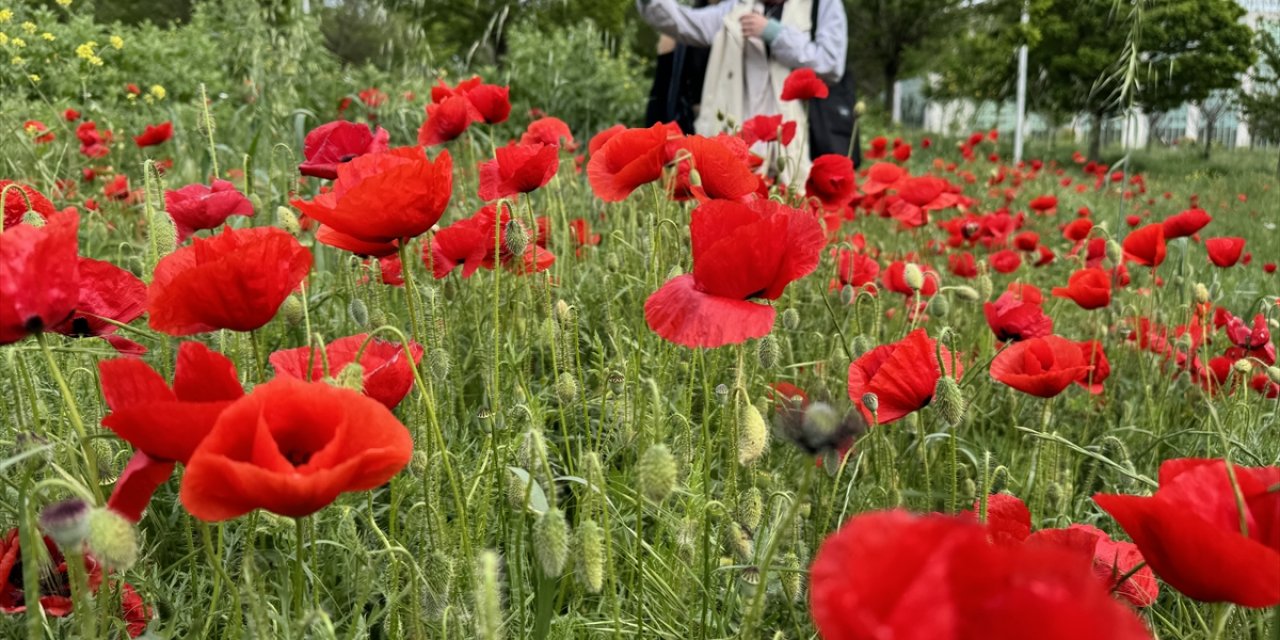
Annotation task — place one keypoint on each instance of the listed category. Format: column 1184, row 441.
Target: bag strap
column 813, row 21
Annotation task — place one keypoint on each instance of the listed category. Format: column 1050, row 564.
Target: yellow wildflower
column 48, row 36
column 86, row 50
column 4, row 38
column 95, row 61
column 117, row 42
column 64, row 3
column 149, row 99
column 16, row 61
column 158, row 91
column 34, row 78
column 29, row 27
column 6, row 15
column 19, row 43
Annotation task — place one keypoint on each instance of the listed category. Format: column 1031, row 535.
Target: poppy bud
column 1243, row 366
column 695, row 178
column 440, row 364
column 565, row 313
column 288, row 220
column 377, row 318
column 847, row 294
column 533, row 450
column 358, row 311
column 112, row 540
column 769, row 352
column 566, row 388
column 516, row 238
column 551, row 542
column 33, row 219
column 791, row 578
column 870, row 401
column 1055, row 494
column 1115, row 450
column 859, row 107
column 488, row 597
column 162, row 234
column 985, row 287
column 590, row 556
column 66, row 522
column 656, row 473
column 519, row 490
column 948, row 400
column 419, row 462
column 738, row 542
column 291, row 310
column 351, row 377
column 592, row 469
column 861, row 345
column 750, row 508
column 969, row 489
column 913, row 276
column 967, row 293
column 1273, row 374
column 1115, row 253
column 999, row 479
column 438, row 577
column 753, row 434
column 791, row 319
column 938, row 306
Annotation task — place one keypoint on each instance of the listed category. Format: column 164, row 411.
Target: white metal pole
column 1021, row 116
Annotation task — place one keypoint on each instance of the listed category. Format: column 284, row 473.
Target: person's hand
column 753, row 25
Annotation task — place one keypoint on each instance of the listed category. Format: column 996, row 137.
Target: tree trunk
column 1208, row 136
column 1095, row 137
column 890, row 78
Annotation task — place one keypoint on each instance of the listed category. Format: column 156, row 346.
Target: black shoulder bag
column 832, row 121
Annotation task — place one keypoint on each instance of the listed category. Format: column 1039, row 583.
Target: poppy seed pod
column 488, row 597
column 358, row 311
column 939, row 307
column 656, row 473
column 949, row 401
column 66, row 523
column 791, row 578
column 551, row 542
column 967, row 293
column 566, row 388
column 870, row 401
column 112, row 539
column 861, row 345
column 753, row 434
column 291, row 310
column 590, row 556
column 769, row 352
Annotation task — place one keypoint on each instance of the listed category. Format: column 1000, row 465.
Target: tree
column 1261, row 103
column 884, row 35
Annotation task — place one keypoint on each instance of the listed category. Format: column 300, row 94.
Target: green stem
column 766, row 561
column 73, row 410
column 299, row 560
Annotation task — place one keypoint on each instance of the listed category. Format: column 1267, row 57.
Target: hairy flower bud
column 359, row 312
column 440, row 364
column 999, row 479
column 913, row 276
column 567, row 388
column 517, row 238
column 769, row 352
column 66, row 523
column 753, row 434
column 938, row 307
column 590, row 556
column 288, row 220
column 351, row 377
column 291, row 310
column 551, row 542
column 656, row 473
column 985, row 287
column 1201, row 293
column 791, row 319
column 967, row 293
column 738, row 542
column 750, row 508
column 948, row 400
column 1273, row 374
column 112, row 539
column 1115, row 253
column 488, row 597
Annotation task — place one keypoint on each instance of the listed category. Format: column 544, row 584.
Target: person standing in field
column 754, row 45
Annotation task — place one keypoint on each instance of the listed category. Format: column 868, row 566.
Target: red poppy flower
column 963, row 265
column 1224, row 252
column 723, row 174
column 1186, row 223
column 1041, row 367
column 331, row 144
column 920, row 195
column 16, row 206
column 292, row 447
column 600, row 139
column 882, row 176
column 766, row 128
column 878, row 148
column 1146, row 246
column 518, row 168
column 196, row 206
column 1005, row 261
column 1026, row 241
column 492, row 102
column 1096, row 358
column 441, row 91
column 1089, row 288
column 372, row 97
column 70, row 115
column 93, row 143
column 38, row 131
column 1044, row 203
column 388, row 375
column 902, row 375
column 446, row 120
column 1013, row 318
column 1196, row 536
column 582, row 235
column 629, row 159
column 154, row 135
column 382, row 197
column 832, row 182
column 891, row 574
column 39, row 276
column 902, row 152
column 740, row 251
column 55, row 592
column 107, row 292
column 234, row 280
column 1077, row 230
column 804, row 84
column 552, row 132
column 857, row 269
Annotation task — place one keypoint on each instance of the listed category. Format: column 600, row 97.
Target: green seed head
column 551, row 541
column 738, row 542
column 567, row 388
column 517, row 238
column 753, row 434
column 948, row 400
column 488, row 614
column 112, row 540
column 590, row 556
column 769, row 352
column 750, row 508
column 656, row 473
column 967, row 293
column 351, row 377
column 288, row 220
column 791, row 319
column 359, row 312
